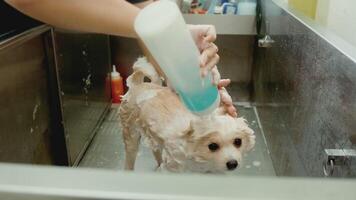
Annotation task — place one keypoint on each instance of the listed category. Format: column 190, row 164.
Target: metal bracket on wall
column 266, row 41
column 337, row 157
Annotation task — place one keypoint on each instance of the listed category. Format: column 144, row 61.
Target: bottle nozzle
column 114, row 73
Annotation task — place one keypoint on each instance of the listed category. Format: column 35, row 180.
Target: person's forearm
column 115, row 17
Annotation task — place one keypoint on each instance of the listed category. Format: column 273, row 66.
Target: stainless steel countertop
column 40, row 182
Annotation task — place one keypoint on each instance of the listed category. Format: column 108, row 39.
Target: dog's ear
column 189, row 131
column 250, row 138
column 195, row 124
column 249, row 134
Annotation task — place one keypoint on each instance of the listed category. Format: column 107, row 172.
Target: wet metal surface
column 24, row 102
column 312, row 86
column 83, row 68
column 236, row 56
column 239, row 92
column 107, row 149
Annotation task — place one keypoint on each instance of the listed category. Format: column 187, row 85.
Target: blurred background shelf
column 226, row 24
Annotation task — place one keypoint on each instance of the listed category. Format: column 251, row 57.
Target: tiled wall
column 306, row 92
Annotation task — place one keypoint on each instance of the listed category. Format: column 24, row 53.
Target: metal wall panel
column 24, row 104
column 306, row 92
column 236, row 55
column 83, row 62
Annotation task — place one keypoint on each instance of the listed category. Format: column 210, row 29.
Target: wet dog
column 180, row 140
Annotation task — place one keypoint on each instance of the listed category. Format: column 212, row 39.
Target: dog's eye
column 237, row 142
column 146, row 79
column 213, row 147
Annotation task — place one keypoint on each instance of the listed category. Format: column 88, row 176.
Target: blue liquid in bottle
column 201, row 101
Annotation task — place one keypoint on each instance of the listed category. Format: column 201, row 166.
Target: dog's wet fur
column 180, row 140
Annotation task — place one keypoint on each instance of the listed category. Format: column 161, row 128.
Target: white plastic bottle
column 162, row 29
column 247, row 7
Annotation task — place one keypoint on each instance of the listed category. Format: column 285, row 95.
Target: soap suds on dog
column 145, row 96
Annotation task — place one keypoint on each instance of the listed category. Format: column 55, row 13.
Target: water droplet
column 256, row 163
column 35, row 109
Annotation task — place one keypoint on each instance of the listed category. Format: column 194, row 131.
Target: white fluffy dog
column 180, row 140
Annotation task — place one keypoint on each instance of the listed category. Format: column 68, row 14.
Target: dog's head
column 218, row 143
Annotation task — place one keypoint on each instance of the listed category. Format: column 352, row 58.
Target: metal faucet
column 337, row 157
column 266, row 41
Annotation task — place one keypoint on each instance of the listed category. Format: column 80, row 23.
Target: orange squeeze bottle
column 117, row 86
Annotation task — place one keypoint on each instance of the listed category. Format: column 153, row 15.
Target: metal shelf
column 226, row 24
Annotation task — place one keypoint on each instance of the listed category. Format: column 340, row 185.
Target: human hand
column 225, row 98
column 204, row 36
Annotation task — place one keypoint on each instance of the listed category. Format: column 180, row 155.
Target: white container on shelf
column 247, row 7
column 162, row 29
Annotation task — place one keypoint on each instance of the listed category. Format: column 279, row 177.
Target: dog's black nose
column 231, row 165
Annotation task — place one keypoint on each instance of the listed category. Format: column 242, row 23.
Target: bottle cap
column 114, row 73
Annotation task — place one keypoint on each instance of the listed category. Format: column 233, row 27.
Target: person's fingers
column 202, row 44
column 210, row 34
column 225, row 97
column 208, row 53
column 211, row 64
column 224, row 83
column 202, row 35
column 226, row 101
column 231, row 110
column 215, row 75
